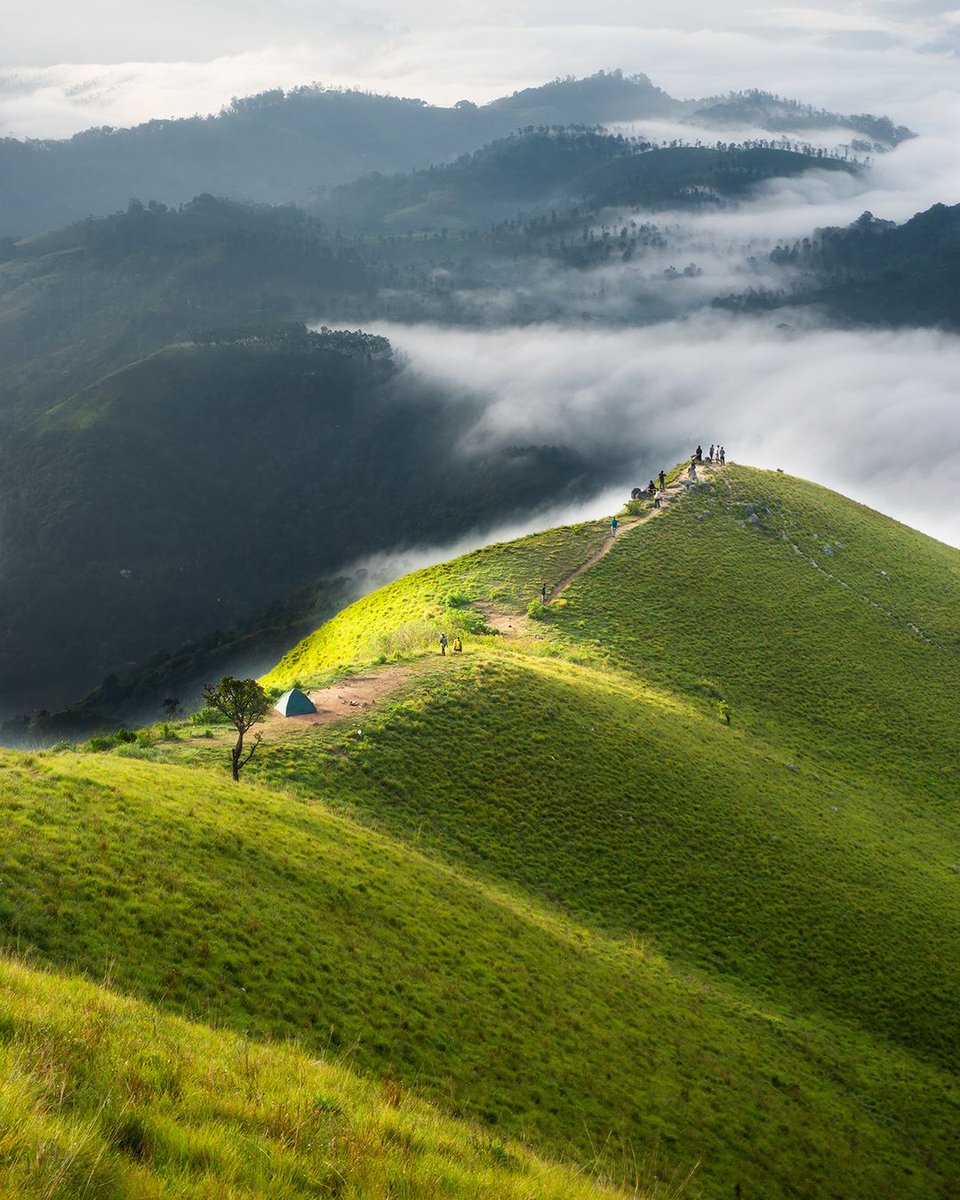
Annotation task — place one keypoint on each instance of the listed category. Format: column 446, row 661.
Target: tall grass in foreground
column 103, row 1098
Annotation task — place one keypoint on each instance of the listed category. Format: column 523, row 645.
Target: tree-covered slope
column 763, row 110
column 189, row 489
column 873, row 272
column 83, row 301
column 559, row 168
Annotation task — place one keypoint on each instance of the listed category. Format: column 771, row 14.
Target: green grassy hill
column 544, row 884
column 104, row 1097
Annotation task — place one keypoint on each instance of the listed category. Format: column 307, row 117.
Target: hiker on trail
column 698, row 456
column 692, row 470
column 614, row 523
column 443, row 644
column 663, row 480
column 651, row 488
column 457, row 645
column 710, row 455
column 543, row 593
column 723, row 457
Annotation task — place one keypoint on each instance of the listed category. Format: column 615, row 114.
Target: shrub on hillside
column 457, row 600
column 212, row 716
column 101, row 741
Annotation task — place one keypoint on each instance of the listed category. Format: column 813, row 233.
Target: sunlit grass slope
column 107, row 1098
column 266, row 913
column 811, row 846
column 641, row 814
column 828, row 628
column 409, row 614
column 549, row 887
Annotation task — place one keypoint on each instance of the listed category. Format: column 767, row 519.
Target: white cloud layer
column 871, row 414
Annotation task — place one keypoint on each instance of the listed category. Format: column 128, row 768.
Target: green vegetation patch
column 254, row 909
column 669, row 883
column 407, row 616
column 108, row 1098
column 829, row 629
column 645, row 816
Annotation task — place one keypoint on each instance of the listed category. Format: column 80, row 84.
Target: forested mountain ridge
column 80, row 302
column 872, row 272
column 777, row 114
column 279, row 147
column 559, row 168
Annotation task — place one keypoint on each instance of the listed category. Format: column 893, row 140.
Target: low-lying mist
column 871, row 414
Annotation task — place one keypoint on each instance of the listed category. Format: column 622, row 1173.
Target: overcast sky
column 65, row 66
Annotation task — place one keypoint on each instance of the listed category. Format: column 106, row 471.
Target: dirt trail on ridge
column 674, row 491
column 352, row 696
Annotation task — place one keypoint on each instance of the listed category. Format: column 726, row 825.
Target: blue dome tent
column 295, row 704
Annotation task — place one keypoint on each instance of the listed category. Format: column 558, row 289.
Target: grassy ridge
column 640, row 814
column 274, row 917
column 548, row 886
column 830, row 629
column 409, row 614
column 104, row 1097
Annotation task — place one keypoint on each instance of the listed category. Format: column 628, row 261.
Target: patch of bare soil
column 509, row 624
column 349, row 698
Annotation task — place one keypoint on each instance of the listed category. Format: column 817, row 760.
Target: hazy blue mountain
column 556, row 168
column 764, row 110
column 280, row 147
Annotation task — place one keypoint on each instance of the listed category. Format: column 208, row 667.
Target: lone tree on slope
column 243, row 702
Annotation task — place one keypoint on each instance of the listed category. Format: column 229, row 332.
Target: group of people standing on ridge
column 717, row 454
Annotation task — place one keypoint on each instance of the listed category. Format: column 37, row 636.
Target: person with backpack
column 443, row 644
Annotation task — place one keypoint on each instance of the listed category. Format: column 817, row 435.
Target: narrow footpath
column 673, row 492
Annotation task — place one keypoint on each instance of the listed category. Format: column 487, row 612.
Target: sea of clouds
column 868, row 413
column 871, row 414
